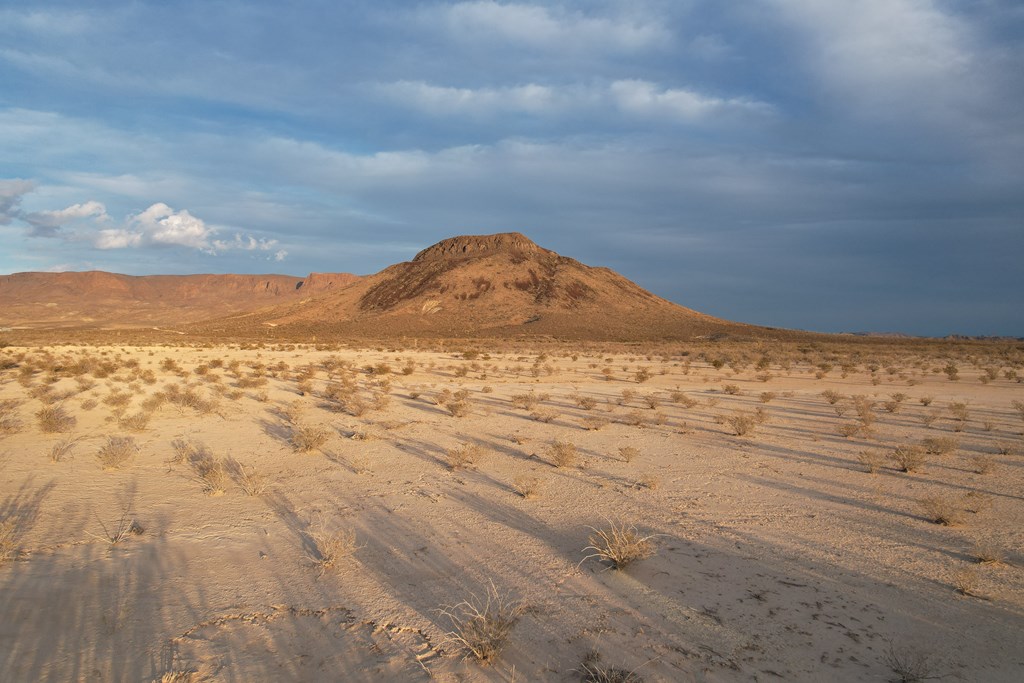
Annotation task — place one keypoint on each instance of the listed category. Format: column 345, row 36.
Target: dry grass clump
column 125, row 526
column 60, row 450
column 909, row 457
column 136, row 422
column 331, row 547
column 306, row 438
column 849, row 429
column 592, row 671
column 481, row 627
column 8, row 540
column 55, row 419
column 982, row 464
column 629, row 453
column 212, row 473
column 9, row 422
column 116, row 452
column 767, row 396
column 731, row 389
column 912, row 666
column 527, row 487
column 252, row 482
column 562, row 453
column 618, row 545
column 941, row 510
column 987, row 552
column 966, row 582
column 464, row 455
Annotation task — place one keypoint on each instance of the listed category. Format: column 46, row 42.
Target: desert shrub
column 54, row 419
column 594, row 423
column 544, row 415
column 642, row 375
column 527, row 487
column 982, row 464
column 331, row 547
column 941, row 510
column 767, row 396
column 528, row 401
column 618, row 545
column 629, row 453
column 305, row 438
column 833, row 397
column 682, row 399
column 731, row 389
column 909, row 457
column 652, row 401
column 562, row 453
column 252, row 482
column 481, row 627
column 634, row 418
column 742, row 424
column 926, row 400
column 464, row 455
column 849, row 429
column 939, row 445
column 116, row 452
column 928, row 419
column 458, row 407
column 871, row 460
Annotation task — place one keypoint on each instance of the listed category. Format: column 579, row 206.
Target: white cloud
column 633, row 98
column 117, row 238
column 441, row 100
column 246, row 243
column 48, row 223
column 280, row 255
column 648, row 99
column 539, row 26
column 160, row 224
column 11, row 192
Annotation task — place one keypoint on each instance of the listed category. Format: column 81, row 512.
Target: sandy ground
column 777, row 556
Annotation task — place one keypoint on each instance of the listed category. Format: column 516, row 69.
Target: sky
column 817, row 164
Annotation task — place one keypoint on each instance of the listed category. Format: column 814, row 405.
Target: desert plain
column 790, row 511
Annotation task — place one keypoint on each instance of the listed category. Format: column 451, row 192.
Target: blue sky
column 820, row 164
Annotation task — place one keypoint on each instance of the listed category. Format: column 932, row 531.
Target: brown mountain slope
column 100, row 299
column 485, row 286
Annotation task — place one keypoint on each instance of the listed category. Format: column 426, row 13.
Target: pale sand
column 778, row 558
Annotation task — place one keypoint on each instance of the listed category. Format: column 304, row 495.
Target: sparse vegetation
column 562, row 453
column 116, row 452
column 619, row 545
column 481, row 627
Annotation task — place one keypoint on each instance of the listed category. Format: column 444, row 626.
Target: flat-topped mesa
column 479, row 245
